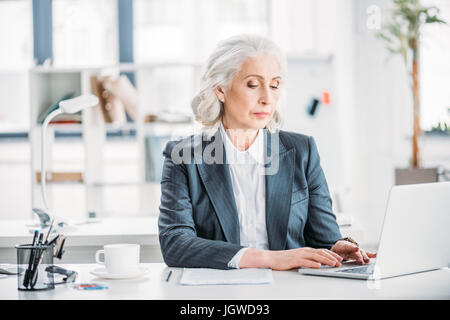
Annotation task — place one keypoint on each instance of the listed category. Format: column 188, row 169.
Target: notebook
column 205, row 276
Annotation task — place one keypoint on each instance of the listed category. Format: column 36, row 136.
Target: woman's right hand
column 289, row 259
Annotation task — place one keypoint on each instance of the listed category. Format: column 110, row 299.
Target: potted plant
column 402, row 36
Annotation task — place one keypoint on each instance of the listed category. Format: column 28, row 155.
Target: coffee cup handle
column 97, row 257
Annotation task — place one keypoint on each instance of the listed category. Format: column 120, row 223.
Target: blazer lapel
column 279, row 182
column 217, row 181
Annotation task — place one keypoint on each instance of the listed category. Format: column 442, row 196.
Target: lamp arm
column 43, row 151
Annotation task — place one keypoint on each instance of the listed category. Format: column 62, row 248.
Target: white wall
column 334, row 126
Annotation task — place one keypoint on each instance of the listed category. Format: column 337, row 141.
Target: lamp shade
column 79, row 103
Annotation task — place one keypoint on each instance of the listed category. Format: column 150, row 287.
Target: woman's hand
column 350, row 251
column 289, row 259
column 304, row 257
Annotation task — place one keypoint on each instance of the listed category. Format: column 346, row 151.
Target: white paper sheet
column 205, row 276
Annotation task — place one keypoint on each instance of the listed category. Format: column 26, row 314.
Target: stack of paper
column 204, row 276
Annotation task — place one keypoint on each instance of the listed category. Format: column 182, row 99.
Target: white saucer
column 103, row 273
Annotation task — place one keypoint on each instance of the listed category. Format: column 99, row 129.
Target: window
column 162, row 30
column 85, row 32
column 16, row 34
column 435, row 69
column 16, row 55
column 173, row 30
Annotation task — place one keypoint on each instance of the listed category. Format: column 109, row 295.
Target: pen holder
column 31, row 264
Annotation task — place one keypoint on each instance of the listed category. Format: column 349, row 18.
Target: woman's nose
column 265, row 97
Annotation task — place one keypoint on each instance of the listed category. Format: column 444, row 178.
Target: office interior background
column 101, row 169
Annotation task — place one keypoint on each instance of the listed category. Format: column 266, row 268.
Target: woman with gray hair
column 263, row 202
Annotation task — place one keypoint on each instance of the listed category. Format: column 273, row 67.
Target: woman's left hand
column 350, row 251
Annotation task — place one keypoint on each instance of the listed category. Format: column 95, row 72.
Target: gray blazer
column 198, row 220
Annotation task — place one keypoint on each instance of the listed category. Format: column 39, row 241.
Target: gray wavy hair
column 222, row 66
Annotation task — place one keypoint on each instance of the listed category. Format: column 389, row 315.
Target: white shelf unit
column 97, row 157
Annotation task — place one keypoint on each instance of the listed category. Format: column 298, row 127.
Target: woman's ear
column 220, row 94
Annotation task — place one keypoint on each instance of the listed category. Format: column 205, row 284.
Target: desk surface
column 287, row 285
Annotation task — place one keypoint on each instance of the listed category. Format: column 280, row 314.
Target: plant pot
column 416, row 175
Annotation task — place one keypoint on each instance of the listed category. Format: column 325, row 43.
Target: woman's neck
column 242, row 139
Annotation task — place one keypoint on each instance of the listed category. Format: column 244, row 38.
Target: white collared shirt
column 249, row 189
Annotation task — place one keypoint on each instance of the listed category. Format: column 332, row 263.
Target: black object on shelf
column 312, row 108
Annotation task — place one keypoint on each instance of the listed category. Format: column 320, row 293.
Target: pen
column 41, row 236
column 168, row 276
column 36, row 233
column 37, row 260
column 34, row 273
column 26, row 277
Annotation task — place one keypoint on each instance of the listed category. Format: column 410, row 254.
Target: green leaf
column 434, row 19
column 384, row 37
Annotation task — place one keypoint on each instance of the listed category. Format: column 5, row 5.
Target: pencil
column 49, row 230
column 168, row 276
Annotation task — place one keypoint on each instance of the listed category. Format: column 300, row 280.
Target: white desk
column 82, row 243
column 287, row 285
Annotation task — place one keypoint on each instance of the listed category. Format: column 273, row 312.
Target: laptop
column 415, row 235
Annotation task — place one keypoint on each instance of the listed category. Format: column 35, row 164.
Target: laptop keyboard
column 359, row 270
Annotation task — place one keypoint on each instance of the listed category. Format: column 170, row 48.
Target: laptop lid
column 415, row 236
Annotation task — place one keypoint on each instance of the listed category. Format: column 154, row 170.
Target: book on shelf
column 65, row 121
column 67, row 118
column 117, row 97
column 111, row 108
column 62, row 176
column 168, row 117
column 123, row 89
column 53, row 107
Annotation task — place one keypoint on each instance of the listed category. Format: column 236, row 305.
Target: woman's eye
column 275, row 85
column 252, row 85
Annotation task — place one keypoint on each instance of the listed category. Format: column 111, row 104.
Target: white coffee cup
column 121, row 258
